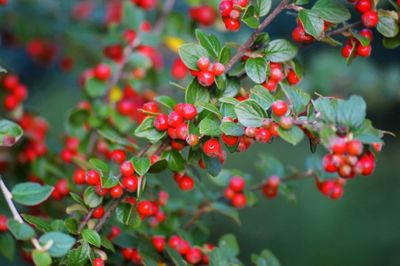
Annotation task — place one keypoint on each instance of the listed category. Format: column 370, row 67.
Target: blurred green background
column 361, row 229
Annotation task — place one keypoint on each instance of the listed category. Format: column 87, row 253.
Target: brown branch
column 197, row 215
column 85, row 220
column 243, row 48
column 342, row 29
column 108, row 213
column 164, row 15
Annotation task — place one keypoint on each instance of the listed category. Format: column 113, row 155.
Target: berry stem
column 242, row 49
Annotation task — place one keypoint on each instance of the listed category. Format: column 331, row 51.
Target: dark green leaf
column 298, row 98
column 100, row 166
column 92, row 237
column 190, row 53
column 230, row 243
column 91, row 199
column 209, row 42
column 147, row 130
column 7, row 246
column 175, row 160
column 175, row 256
column 39, row 223
column 324, row 106
column 280, row 51
column 142, row 165
column 31, row 194
column 250, row 114
column 312, row 23
column 256, row 69
column 232, row 129
column 213, row 165
column 262, row 7
column 387, row 25
column 127, row 215
column 195, row 93
column 166, row 101
column 293, row 135
column 209, row 127
column 332, row 11
column 95, row 87
column 249, row 17
column 226, row 210
column 79, row 256
column 224, row 55
column 351, row 112
column 266, row 258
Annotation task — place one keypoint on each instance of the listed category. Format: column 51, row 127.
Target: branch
column 164, row 15
column 342, row 29
column 242, row 49
column 108, row 213
column 197, row 215
column 85, row 220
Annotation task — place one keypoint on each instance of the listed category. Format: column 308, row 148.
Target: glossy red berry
column 182, row 131
column 237, row 183
column 229, row 193
column 179, row 69
column 239, row 201
column 364, row 51
column 225, row 7
column 279, row 108
column 127, row 253
column 292, row 77
column 186, row 183
column 174, row 119
column 218, row 69
column 92, row 177
column 118, row 156
column 328, row 164
column 10, row 82
column 367, row 33
column 363, row 6
column 161, row 122
column 241, row 3
column 130, row 183
column 158, row 243
column 212, row 148
column 204, row 14
column 194, row 255
column 276, row 74
column 116, row 191
column 62, row 187
column 127, row 169
column 102, row 72
column 337, row 192
column 263, row 135
column 79, row 177
column 229, row 140
column 346, row 50
column 270, row 85
column 98, row 262
column 370, row 19
column 10, row 102
column 98, row 212
column 145, row 208
column 150, row 107
column 101, row 191
column 203, row 63
column 206, row 78
column 189, row 111
column 3, row 223
column 232, row 24
column 355, row 147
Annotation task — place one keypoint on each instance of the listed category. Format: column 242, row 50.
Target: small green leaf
column 209, row 127
column 212, row 108
column 114, row 137
column 92, row 237
column 100, row 166
column 324, row 106
column 142, row 165
column 312, row 23
column 293, row 135
column 79, row 256
column 249, row 17
column 195, row 93
column 250, row 113
column 62, row 243
column 230, row 243
column 224, row 55
column 10, row 133
column 190, row 53
column 280, row 51
column 127, row 215
column 41, row 258
column 147, row 130
column 175, row 256
column 232, row 129
column 166, row 101
column 31, row 194
column 387, row 25
column 298, row 98
column 7, row 246
column 95, row 88
column 175, row 160
column 262, row 96
column 226, row 210
column 213, row 165
column 262, row 7
column 91, row 198
column 266, row 258
column 39, row 223
column 209, row 42
column 351, row 112
column 331, row 11
column 256, row 69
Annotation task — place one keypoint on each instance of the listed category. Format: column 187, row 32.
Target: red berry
column 194, row 255
column 145, row 208
column 337, row 192
column 189, row 111
column 229, row 140
column 118, row 156
column 150, row 107
column 239, row 201
column 355, row 147
column 237, row 183
column 270, row 85
column 10, row 102
column 183, row 247
column 231, row 24
column 368, row 164
column 328, row 165
column 367, row 33
column 101, row 191
column 205, row 78
column 370, row 19
column 102, row 72
column 229, row 193
column 158, row 243
column 3, row 223
column 130, row 183
column 182, row 131
column 178, row 145
column 292, row 77
column 62, row 187
column 127, row 253
column 20, row 92
column 338, row 146
column 98, row 212
column 225, row 7
column 273, row 181
column 346, row 50
column 205, row 15
column 276, row 74
column 364, row 51
column 127, row 169
column 98, row 262
column 241, row 3
column 174, row 242
column 174, row 119
column 179, row 69
column 161, row 122
column 212, row 148
column 79, row 177
column 92, row 177
column 10, row 82
column 363, row 6
column 263, row 135
column 130, row 36
column 279, row 108
column 218, row 69
column 203, row 63
column 327, row 187
column 192, row 140
column 172, row 133
column 186, row 183
column 116, row 191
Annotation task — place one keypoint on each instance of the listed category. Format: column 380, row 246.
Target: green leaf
column 212, row 108
column 175, row 160
column 293, row 135
column 78, row 117
column 95, row 88
column 213, row 165
column 138, row 60
column 79, row 256
column 324, row 106
column 41, row 258
column 72, row 225
column 249, row 17
column 224, row 55
column 298, row 98
column 351, row 112
column 262, row 7
column 266, row 258
column 262, row 96
column 166, row 101
column 387, row 25
column 92, row 237
column 147, row 130
column 21, row 231
column 195, row 93
column 113, row 137
column 363, row 40
column 250, row 114
column 256, row 69
column 226, row 210
column 10, row 133
column 31, row 194
column 232, row 129
column 39, row 223
column 158, row 166
column 367, row 133
column 62, row 243
column 127, row 215
column 209, row 42
column 142, row 165
column 100, row 166
column 107, row 244
column 392, row 43
column 331, row 11
column 7, row 246
column 230, row 243
column 268, row 165
column 312, row 23
column 280, row 51
column 209, row 127
column 190, row 54
column 90, row 197
column 175, row 256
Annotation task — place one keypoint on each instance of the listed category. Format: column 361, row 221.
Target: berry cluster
column 231, row 12
column 353, row 44
column 70, row 150
column 130, row 103
column 176, row 125
column 205, row 15
column 348, row 158
column 193, row 255
column 299, row 34
column 331, row 188
column 369, row 15
column 207, row 71
column 277, row 74
column 184, row 181
column 16, row 92
column 271, row 188
column 41, row 51
column 234, row 192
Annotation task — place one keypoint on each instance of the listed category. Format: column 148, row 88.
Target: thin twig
column 108, row 213
column 243, row 48
column 8, row 196
column 342, row 29
column 197, row 215
column 85, row 220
